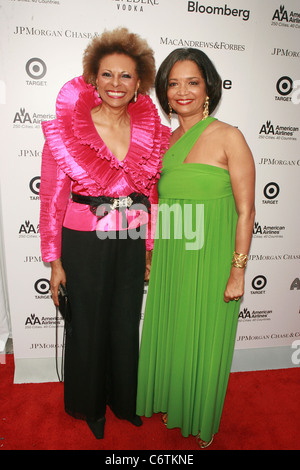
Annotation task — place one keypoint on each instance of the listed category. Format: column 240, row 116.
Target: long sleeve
column 76, row 158
column 54, row 194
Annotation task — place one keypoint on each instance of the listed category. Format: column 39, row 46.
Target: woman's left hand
column 235, row 285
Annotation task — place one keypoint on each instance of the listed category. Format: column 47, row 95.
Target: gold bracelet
column 239, row 260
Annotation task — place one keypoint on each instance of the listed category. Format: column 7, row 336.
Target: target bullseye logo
column 42, row 286
column 36, row 68
column 259, row 282
column 284, row 86
column 271, row 190
column 34, row 185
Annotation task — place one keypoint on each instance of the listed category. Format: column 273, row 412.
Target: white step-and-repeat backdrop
column 256, row 48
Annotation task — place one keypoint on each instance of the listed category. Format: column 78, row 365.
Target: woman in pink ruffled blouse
column 101, row 162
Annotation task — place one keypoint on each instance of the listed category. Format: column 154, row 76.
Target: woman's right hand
column 148, row 265
column 58, row 276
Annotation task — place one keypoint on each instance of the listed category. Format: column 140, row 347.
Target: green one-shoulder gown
column 189, row 330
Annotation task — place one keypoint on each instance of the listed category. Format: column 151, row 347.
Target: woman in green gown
column 203, row 234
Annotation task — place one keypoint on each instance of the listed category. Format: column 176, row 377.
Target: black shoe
column 97, row 428
column 136, row 421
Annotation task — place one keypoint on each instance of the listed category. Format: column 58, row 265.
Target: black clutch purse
column 64, row 308
column 64, row 304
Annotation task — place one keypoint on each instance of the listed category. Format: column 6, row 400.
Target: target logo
column 284, row 86
column 271, row 190
column 258, row 284
column 42, row 288
column 34, row 185
column 36, row 68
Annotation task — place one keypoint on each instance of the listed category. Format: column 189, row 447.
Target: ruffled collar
column 81, row 152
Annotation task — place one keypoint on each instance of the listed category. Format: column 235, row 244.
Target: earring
column 205, row 109
column 170, row 111
column 97, row 92
column 135, row 97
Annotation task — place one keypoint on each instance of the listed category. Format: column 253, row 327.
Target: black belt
column 102, row 205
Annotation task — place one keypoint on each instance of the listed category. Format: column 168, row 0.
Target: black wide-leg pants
column 105, row 283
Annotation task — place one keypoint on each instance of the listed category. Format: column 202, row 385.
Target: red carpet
column 262, row 412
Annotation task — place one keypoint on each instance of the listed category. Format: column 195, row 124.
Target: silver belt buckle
column 121, row 202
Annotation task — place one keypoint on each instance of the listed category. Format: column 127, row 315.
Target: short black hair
column 210, row 75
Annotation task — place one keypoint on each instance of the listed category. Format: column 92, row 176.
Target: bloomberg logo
column 194, row 7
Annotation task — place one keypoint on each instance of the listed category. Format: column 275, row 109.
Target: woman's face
column 186, row 89
column 117, row 80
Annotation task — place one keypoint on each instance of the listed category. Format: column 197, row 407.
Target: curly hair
column 120, row 41
column 210, row 75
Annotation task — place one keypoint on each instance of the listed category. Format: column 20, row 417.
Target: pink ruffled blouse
column 75, row 159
